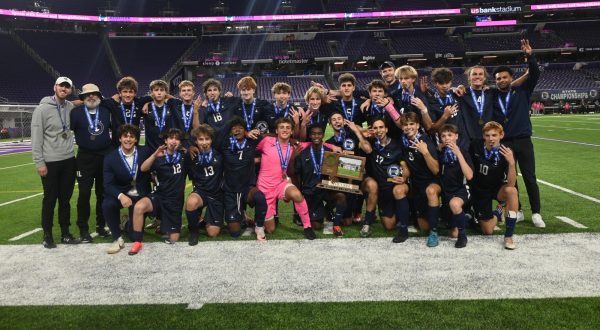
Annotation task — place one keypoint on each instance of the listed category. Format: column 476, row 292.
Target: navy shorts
column 168, row 211
column 420, row 196
column 214, row 207
column 234, row 205
column 386, row 202
column 482, row 203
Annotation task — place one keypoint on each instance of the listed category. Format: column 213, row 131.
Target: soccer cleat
column 357, row 217
column 48, row 242
column 69, row 239
column 537, row 220
column 461, row 242
column 116, row 246
column 520, row 216
column 296, row 219
column 509, row 244
column 193, row 239
column 365, row 231
column 309, row 233
column 170, row 242
column 137, row 247
column 86, row 238
column 432, row 240
column 102, row 232
column 155, row 223
column 337, row 231
column 260, row 233
column 401, row 237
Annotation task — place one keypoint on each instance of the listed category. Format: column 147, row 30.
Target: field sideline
column 367, row 283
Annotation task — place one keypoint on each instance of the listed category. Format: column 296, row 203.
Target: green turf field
column 566, row 164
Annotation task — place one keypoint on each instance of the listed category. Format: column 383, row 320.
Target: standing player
column 495, row 178
column 218, row 111
column 409, row 99
column 161, row 115
column 316, row 111
column 185, row 112
column 476, row 103
column 457, row 169
column 124, row 183
column 420, row 155
column 52, row 150
column 253, row 110
column 166, row 201
column 512, row 110
column 206, row 172
column 308, row 165
column 382, row 107
column 90, row 123
column 386, row 184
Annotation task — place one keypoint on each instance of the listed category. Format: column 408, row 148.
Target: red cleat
column 137, row 246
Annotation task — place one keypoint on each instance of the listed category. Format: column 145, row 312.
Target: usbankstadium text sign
column 496, row 10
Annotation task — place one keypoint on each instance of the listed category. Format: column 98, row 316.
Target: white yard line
column 567, row 128
column 567, row 190
column 323, row 270
column 572, row 222
column 16, row 238
column 566, row 141
column 21, row 199
column 6, row 168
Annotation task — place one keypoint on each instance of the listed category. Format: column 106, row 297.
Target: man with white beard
column 91, row 122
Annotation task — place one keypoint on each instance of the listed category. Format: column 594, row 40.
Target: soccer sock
column 461, row 221
column 192, row 217
column 498, row 212
column 137, row 236
column 369, row 217
column 433, row 214
column 303, row 212
column 402, row 214
column 340, row 209
column 235, row 234
column 511, row 221
column 260, row 208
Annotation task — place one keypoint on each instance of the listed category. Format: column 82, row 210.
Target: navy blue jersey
column 402, row 102
column 206, row 172
column 218, row 113
column 275, row 112
column 184, row 118
column 118, row 179
column 240, row 170
column 393, row 86
column 346, row 142
column 490, row 169
column 255, row 113
column 304, row 165
column 94, row 137
column 124, row 114
column 165, row 117
column 470, row 104
column 377, row 112
column 170, row 174
column 419, row 172
column 451, row 175
column 380, row 160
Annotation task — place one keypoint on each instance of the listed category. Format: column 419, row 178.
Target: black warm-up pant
column 89, row 173
column 524, row 156
column 58, row 185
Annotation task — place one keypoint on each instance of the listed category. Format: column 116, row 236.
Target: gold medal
column 505, row 120
column 480, row 121
column 65, row 135
column 133, row 183
column 186, row 136
column 92, row 137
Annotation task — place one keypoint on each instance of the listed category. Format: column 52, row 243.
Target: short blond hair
column 314, row 90
column 186, row 83
column 406, row 70
column 281, row 87
column 159, row 84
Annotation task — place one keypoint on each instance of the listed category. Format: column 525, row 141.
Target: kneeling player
column 206, row 173
column 166, row 201
column 456, row 167
column 495, row 178
column 308, row 165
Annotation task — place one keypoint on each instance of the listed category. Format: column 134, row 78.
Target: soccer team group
column 430, row 154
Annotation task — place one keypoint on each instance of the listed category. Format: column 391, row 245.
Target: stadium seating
column 82, row 56
column 22, row 79
column 423, row 41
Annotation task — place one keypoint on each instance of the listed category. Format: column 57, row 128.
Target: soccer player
column 239, row 184
column 308, row 165
column 273, row 180
column 185, row 111
column 218, row 111
column 316, row 111
column 456, row 170
column 206, row 172
column 420, row 154
column 253, row 110
column 495, row 177
column 382, row 107
column 409, row 99
column 476, row 103
column 52, row 151
column 166, row 202
column 124, row 183
column 282, row 108
column 386, row 184
column 91, row 122
column 512, row 110
column 161, row 114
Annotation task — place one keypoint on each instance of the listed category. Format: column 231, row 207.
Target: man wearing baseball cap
column 386, row 69
column 90, row 122
column 52, row 150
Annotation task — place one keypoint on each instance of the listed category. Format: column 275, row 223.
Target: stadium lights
column 417, row 20
column 395, row 22
column 361, row 62
column 441, row 19
column 416, row 59
column 351, row 23
column 372, row 23
column 490, row 56
column 338, row 62
column 455, row 58
column 329, row 24
column 259, row 26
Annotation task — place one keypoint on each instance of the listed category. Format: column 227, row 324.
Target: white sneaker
column 537, row 220
column 116, row 246
column 260, row 233
column 520, row 216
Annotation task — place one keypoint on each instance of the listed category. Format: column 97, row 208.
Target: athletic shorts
column 234, row 204
column 462, row 193
column 316, row 205
column 386, row 202
column 420, row 196
column 214, row 207
column 168, row 211
column 482, row 202
column 272, row 196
